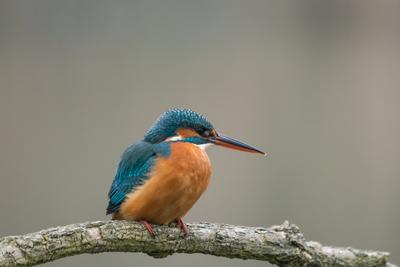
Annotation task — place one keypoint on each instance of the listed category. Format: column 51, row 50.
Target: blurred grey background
column 314, row 83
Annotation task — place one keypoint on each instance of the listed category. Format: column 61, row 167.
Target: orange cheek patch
column 184, row 132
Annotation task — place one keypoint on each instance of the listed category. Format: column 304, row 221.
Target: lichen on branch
column 283, row 245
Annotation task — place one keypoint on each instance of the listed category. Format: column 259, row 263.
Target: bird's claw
column 182, row 226
column 149, row 228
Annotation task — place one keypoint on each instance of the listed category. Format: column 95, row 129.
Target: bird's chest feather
column 185, row 172
column 175, row 184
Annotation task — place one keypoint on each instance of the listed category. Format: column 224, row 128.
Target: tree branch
column 283, row 245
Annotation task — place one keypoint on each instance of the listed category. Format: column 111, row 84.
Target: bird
column 160, row 177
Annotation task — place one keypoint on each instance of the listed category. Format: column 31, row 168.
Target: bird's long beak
column 228, row 142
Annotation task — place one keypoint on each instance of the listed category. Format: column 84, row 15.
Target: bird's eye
column 206, row 133
column 209, row 133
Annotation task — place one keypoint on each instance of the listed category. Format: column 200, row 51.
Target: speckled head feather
column 174, row 119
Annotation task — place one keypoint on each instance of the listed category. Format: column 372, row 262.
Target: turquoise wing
column 133, row 169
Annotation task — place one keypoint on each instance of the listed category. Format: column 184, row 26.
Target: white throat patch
column 204, row 146
column 174, row 138
column 178, row 137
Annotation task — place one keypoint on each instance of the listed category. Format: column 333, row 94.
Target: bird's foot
column 183, row 226
column 149, row 228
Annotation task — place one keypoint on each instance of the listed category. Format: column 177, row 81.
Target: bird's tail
column 116, row 216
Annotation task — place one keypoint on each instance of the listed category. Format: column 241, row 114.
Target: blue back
column 136, row 162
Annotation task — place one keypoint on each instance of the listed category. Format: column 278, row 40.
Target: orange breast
column 175, row 184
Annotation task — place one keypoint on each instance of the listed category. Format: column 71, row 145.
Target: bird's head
column 190, row 126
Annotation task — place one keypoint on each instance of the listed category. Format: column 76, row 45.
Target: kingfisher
column 161, row 177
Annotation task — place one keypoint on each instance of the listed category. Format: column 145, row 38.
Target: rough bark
column 283, row 245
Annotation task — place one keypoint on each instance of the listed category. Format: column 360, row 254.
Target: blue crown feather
column 173, row 119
